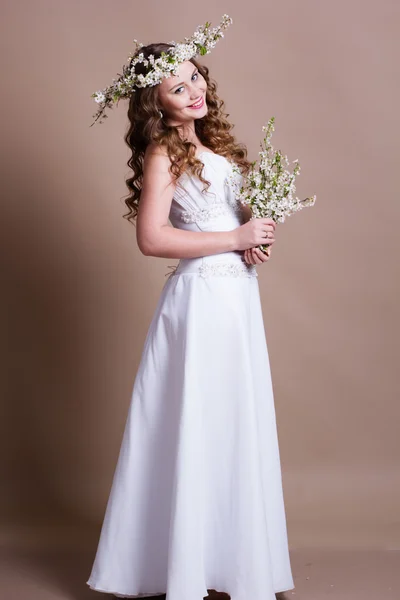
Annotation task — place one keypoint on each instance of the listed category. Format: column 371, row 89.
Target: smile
column 198, row 104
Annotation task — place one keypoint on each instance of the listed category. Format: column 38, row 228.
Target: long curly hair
column 147, row 126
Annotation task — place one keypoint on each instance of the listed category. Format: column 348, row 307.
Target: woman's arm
column 155, row 237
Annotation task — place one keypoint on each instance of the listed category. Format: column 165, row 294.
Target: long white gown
column 196, row 501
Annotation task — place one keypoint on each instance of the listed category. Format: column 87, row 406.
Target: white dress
column 196, row 501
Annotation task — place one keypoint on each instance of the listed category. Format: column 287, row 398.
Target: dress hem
column 145, row 594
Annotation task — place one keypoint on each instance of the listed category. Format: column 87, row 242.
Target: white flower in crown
column 202, row 42
column 99, row 97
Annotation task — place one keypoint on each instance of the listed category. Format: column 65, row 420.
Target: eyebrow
column 182, row 82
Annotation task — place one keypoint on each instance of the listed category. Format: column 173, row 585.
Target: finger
column 268, row 233
column 266, row 253
column 268, row 221
column 267, row 240
column 255, row 253
column 250, row 257
column 256, row 258
column 263, row 256
column 259, row 255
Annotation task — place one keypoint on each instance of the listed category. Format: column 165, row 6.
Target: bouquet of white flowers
column 269, row 188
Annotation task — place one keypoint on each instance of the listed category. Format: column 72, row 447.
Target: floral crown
column 201, row 42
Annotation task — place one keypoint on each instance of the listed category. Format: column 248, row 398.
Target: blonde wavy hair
column 147, row 126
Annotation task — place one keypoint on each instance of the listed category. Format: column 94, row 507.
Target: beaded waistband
column 216, row 266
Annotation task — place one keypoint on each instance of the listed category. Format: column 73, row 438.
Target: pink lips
column 200, row 105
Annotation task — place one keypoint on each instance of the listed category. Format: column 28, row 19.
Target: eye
column 196, row 74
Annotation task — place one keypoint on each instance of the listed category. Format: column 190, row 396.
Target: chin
column 197, row 114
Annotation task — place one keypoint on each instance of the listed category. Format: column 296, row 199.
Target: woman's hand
column 255, row 232
column 255, row 256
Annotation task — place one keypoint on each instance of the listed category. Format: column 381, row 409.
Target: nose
column 196, row 95
column 195, row 92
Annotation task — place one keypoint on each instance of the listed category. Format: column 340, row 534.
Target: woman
column 196, row 502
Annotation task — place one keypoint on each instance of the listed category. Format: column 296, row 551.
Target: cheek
column 172, row 102
column 178, row 102
column 202, row 82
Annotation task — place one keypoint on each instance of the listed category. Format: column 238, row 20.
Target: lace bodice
column 215, row 209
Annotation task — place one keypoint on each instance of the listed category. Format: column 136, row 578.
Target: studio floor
column 47, row 564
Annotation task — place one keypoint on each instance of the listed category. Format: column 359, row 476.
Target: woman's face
column 178, row 93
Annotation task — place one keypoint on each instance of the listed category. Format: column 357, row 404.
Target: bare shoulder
column 158, row 183
column 156, row 159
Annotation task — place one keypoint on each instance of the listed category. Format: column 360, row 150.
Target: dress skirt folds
column 196, row 501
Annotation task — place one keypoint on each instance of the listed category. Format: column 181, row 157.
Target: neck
column 186, row 131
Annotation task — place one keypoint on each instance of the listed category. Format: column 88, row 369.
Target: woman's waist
column 225, row 263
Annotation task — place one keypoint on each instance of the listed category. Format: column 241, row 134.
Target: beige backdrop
column 78, row 295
